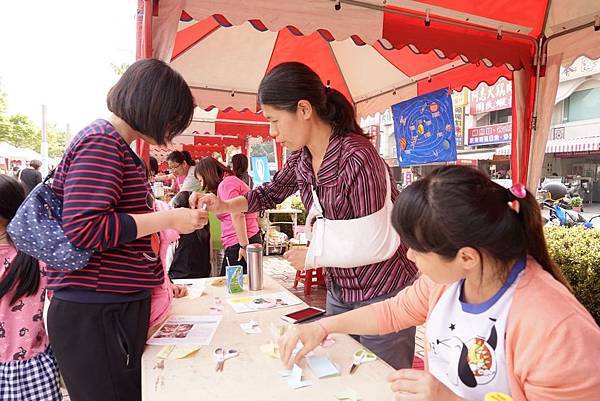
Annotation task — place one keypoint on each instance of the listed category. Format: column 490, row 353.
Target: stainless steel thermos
column 254, row 254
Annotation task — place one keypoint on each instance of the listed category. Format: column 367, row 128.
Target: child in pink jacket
column 162, row 297
column 28, row 369
column 500, row 316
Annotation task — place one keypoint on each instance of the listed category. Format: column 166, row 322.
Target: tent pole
column 540, row 58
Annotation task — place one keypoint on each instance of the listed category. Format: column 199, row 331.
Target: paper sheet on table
column 295, row 378
column 177, row 351
column 186, row 329
column 251, row 327
column 272, row 349
column 256, row 303
column 195, row 287
column 348, row 395
column 322, row 366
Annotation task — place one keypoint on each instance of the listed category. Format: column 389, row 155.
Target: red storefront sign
column 489, row 98
column 490, row 134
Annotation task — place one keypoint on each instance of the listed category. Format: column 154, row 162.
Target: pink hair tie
column 519, row 191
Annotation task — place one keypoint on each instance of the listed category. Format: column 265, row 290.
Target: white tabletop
column 253, row 375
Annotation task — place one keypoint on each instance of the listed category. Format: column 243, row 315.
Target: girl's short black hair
column 153, row 99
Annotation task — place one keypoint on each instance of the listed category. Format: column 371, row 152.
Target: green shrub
column 576, row 201
column 577, row 252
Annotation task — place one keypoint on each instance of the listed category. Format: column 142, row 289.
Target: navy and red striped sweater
column 101, row 181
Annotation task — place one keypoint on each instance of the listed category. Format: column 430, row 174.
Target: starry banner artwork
column 424, row 129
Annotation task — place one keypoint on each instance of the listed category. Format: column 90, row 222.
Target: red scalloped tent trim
column 522, row 57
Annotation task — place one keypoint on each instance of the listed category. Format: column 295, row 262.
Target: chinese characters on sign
column 373, row 132
column 582, row 67
column 489, row 98
column 490, row 134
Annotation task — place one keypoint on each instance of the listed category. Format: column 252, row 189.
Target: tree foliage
column 18, row 130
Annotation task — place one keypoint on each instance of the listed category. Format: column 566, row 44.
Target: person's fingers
column 302, row 353
column 406, row 374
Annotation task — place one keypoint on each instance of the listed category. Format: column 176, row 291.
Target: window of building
column 501, row 116
column 582, row 105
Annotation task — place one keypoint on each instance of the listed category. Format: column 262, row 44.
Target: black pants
column 99, row 348
column 233, row 253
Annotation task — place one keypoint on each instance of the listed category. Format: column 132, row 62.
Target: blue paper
column 322, row 366
column 424, row 129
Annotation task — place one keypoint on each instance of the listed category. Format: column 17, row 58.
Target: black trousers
column 99, row 348
column 232, row 253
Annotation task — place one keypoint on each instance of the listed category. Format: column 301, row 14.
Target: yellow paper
column 218, row 282
column 497, row 397
column 270, row 349
column 171, row 352
column 348, row 395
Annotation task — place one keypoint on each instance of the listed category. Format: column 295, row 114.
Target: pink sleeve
column 408, row 308
column 562, row 363
column 230, row 187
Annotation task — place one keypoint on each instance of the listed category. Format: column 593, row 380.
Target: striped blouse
column 101, row 181
column 350, row 184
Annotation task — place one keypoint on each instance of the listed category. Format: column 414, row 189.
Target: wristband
column 323, row 327
column 243, row 246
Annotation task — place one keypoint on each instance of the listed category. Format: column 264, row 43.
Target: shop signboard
column 489, row 98
column 373, row 132
column 490, row 134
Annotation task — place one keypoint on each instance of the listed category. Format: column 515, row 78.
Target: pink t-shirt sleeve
column 231, row 188
column 408, row 308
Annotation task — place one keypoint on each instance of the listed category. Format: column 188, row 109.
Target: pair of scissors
column 359, row 357
column 221, row 355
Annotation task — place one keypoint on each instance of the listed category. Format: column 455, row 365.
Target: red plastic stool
column 309, row 277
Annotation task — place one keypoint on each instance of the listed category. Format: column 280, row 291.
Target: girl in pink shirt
column 500, row 316
column 28, row 370
column 237, row 229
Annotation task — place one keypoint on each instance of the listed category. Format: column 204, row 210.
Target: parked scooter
column 567, row 218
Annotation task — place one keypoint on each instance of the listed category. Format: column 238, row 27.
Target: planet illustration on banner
column 424, row 129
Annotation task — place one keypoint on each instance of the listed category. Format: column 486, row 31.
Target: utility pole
column 44, row 149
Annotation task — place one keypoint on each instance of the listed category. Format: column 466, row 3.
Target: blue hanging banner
column 424, row 129
column 260, row 170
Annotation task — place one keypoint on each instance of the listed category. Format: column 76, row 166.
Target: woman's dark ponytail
column 288, row 83
column 179, row 157
column 188, row 158
column 340, row 114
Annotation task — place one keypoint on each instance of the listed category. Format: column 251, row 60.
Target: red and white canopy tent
column 418, row 46
column 214, row 131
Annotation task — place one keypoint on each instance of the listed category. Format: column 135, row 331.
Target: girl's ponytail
column 529, row 212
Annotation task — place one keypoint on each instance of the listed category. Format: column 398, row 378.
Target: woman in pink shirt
column 28, row 370
column 237, row 229
column 500, row 316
